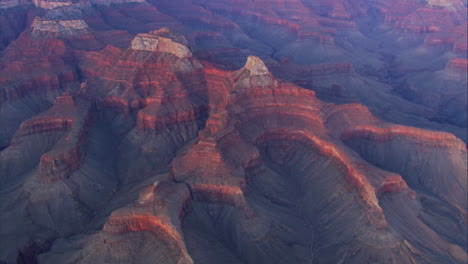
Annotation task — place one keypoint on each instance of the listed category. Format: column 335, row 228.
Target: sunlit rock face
column 446, row 3
column 254, row 73
column 152, row 42
column 63, row 27
column 50, row 4
column 256, row 66
column 233, row 131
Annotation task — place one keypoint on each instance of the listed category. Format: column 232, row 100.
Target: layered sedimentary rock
column 254, row 111
column 153, row 42
column 246, row 152
column 153, row 72
column 158, row 211
column 66, row 28
column 51, row 4
column 415, row 139
column 159, row 156
column 45, row 48
column 68, row 115
column 340, row 32
column 256, row 66
column 48, row 56
column 260, row 130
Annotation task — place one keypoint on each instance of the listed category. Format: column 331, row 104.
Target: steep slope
column 394, row 48
column 124, row 142
column 269, row 175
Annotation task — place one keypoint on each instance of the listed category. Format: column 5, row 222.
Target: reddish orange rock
column 71, row 116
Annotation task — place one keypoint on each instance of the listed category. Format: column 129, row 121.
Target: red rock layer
column 44, row 124
column 458, row 65
column 219, row 194
column 149, row 121
column 426, row 18
column 35, row 64
column 165, row 89
column 355, row 120
column 70, row 115
column 272, row 106
column 68, row 154
column 352, row 173
column 164, row 231
column 97, row 61
column 388, row 142
column 417, row 136
column 265, row 102
column 395, row 185
column 159, row 212
column 245, row 110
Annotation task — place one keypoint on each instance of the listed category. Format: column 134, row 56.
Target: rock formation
column 233, row 131
column 153, row 42
column 266, row 142
column 256, row 66
column 66, row 28
column 51, row 4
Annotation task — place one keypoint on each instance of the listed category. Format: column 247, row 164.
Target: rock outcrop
column 152, row 42
column 66, row 28
column 158, row 212
column 41, row 65
column 270, row 132
column 254, row 73
column 256, row 66
column 244, row 150
column 70, row 115
column 47, row 4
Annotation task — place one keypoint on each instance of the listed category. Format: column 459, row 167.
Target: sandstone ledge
column 153, row 42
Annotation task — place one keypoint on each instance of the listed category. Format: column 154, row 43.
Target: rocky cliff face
column 251, row 130
column 66, row 28
column 130, row 143
column 256, row 66
column 152, row 42
column 51, row 4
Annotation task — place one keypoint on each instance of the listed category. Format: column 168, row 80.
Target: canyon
column 233, row 131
